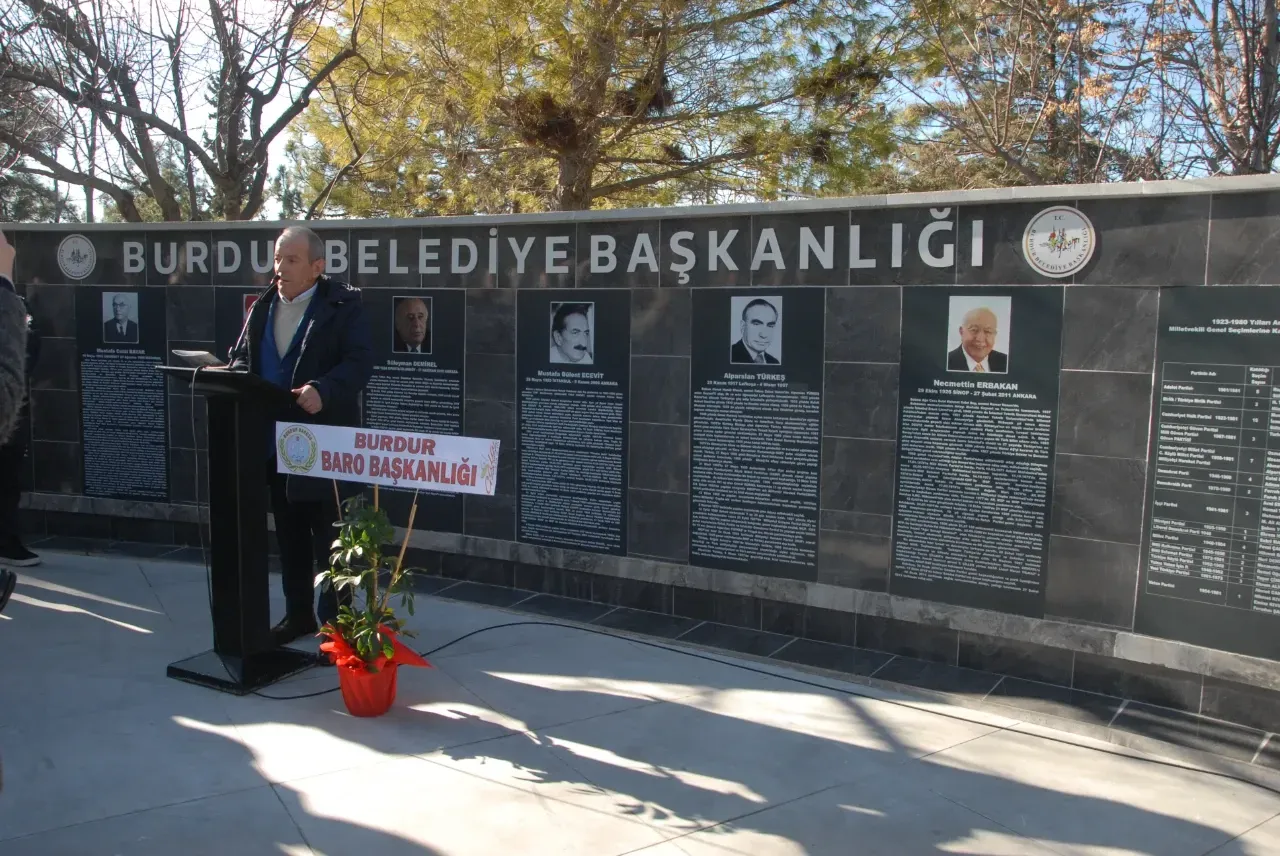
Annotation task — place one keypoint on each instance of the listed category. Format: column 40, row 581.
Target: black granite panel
column 854, row 560
column 853, row 521
column 1110, row 328
column 919, row 236
column 861, row 400
column 864, row 325
column 660, row 390
column 659, row 457
column 618, row 254
column 777, row 616
column 463, row 257
column 189, row 534
column 1003, row 225
column 837, row 658
column 908, row 639
column 1235, row 702
column 53, row 307
column 740, row 610
column 1099, row 498
column 58, row 467
column 490, row 517
column 67, row 523
column 491, row 376
column 658, row 524
column 549, row 257
column 857, row 475
column 491, row 321
column 142, row 530
column 495, row 420
column 58, row 365
column 478, row 569
column 1103, row 413
column 735, row 639
column 686, row 257
column 189, row 312
column 938, row 677
column 55, row 415
column 385, row 257
column 180, row 437
column 1139, row 682
column 1242, row 239
column 800, row 249
column 830, row 625
column 632, row 594
column 660, row 322
column 38, row 261
column 1187, row 729
column 556, row 581
column 244, row 257
column 649, row 623
column 1018, row 659
column 566, row 608
column 179, row 258
column 1148, row 240
column 1093, row 581
column 1054, row 700
column 423, row 562
column 423, row 584
column 182, row 476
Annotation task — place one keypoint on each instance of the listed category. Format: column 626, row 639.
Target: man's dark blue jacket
column 332, row 351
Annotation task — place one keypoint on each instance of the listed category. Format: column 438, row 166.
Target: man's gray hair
column 315, row 246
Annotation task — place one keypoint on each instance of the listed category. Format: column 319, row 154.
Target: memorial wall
column 973, row 411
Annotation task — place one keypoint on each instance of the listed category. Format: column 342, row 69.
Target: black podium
column 242, row 411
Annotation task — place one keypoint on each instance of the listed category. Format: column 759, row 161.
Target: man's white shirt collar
column 304, row 296
column 972, row 362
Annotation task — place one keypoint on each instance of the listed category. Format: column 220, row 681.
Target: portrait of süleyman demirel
column 411, row 329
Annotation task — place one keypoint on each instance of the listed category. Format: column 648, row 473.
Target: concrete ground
column 532, row 740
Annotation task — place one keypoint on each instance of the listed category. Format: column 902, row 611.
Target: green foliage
column 360, row 563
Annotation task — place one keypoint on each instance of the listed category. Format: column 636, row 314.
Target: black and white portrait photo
column 411, row 330
column 978, row 334
column 572, row 333
column 755, row 330
column 120, row 318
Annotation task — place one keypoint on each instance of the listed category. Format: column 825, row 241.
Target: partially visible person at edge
column 308, row 333
column 13, row 552
column 13, row 374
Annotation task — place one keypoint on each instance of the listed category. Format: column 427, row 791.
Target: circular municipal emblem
column 1058, row 241
column 297, row 448
column 76, row 256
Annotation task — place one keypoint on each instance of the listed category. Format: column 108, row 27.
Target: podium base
column 239, row 677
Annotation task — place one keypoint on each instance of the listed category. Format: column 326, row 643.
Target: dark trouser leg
column 294, row 536
column 11, row 460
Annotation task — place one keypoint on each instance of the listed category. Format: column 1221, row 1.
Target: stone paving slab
column 534, row 740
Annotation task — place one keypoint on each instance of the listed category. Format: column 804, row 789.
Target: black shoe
column 15, row 555
column 8, row 582
column 291, row 629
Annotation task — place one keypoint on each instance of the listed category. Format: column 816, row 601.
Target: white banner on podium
column 403, row 459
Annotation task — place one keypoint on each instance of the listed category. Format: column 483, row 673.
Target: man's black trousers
column 304, row 533
column 12, row 456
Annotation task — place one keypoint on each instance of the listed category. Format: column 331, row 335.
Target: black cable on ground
column 815, row 684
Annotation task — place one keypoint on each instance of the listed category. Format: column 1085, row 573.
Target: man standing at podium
column 307, row 333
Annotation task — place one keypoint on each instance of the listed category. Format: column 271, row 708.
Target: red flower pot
column 368, row 693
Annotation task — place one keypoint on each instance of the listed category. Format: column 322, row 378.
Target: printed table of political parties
column 1215, row 504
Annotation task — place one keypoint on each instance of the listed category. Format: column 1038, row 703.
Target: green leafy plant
column 361, row 563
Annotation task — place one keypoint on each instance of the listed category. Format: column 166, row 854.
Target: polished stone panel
column 830, row 625
column 1018, row 659
column 1104, row 413
column 1092, row 581
column 738, row 610
column 660, row 322
column 1187, row 729
column 857, row 475
column 864, row 324
column 876, row 242
column 649, row 623
column 55, row 415
column 861, row 401
column 611, row 254
column 755, row 642
column 801, row 240
column 569, row 609
column 1236, row 702
column 183, row 258
column 189, row 312
column 549, row 255
column 1158, row 240
column 495, row 420
column 658, row 524
column 778, row 616
column 1054, row 700
column 180, row 436
column 555, row 581
column 1137, row 681
column 895, row 636
column 58, row 365
column 659, row 457
column 1242, row 239
column 478, row 569
column 938, row 677
column 733, row 238
column 1110, row 328
column 184, row 466
column 54, row 308
column 491, row 376
column 490, row 517
column 491, row 321
column 854, row 560
column 853, row 521
column 837, row 658
column 1003, row 226
column 632, row 594
column 660, row 390
column 1099, row 498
